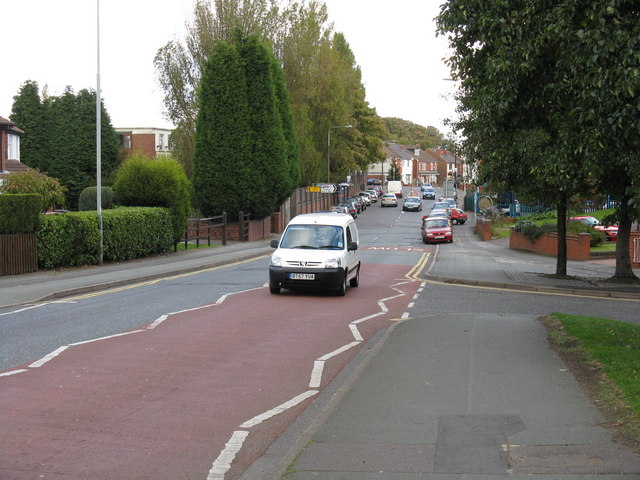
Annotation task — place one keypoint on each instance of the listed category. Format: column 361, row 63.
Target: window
column 13, row 152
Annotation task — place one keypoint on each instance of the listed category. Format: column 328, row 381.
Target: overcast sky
column 54, row 43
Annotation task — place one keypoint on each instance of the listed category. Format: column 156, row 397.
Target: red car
column 457, row 215
column 610, row 231
column 436, row 230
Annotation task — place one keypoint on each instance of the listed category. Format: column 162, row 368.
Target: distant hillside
column 408, row 133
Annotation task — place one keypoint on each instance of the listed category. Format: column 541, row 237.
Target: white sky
column 54, row 43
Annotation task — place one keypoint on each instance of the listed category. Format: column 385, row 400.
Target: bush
column 595, row 237
column 50, row 191
column 73, row 239
column 19, row 213
column 89, row 198
column 155, row 182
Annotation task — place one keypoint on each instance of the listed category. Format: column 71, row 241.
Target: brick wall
column 578, row 247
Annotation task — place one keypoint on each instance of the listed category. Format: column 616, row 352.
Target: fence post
column 224, row 228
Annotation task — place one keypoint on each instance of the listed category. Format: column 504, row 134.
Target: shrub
column 595, row 237
column 19, row 213
column 73, row 239
column 50, row 191
column 155, row 182
column 89, row 198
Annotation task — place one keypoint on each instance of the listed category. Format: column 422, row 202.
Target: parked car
column 374, row 195
column 340, row 209
column 440, row 206
column 452, row 202
column 367, row 197
column 435, row 230
column 611, row 231
column 359, row 203
column 457, row 215
column 412, row 203
column 428, row 193
column 389, row 200
column 351, row 207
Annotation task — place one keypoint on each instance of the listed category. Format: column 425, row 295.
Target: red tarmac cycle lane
column 162, row 404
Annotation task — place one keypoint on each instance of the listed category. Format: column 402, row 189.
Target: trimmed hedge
column 19, row 213
column 73, row 239
column 89, row 198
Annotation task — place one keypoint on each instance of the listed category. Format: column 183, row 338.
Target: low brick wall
column 483, row 228
column 578, row 246
column 634, row 249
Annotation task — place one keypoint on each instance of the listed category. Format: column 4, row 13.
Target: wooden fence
column 205, row 229
column 18, row 253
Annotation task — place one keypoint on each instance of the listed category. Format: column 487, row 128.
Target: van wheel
column 355, row 281
column 273, row 289
column 343, row 286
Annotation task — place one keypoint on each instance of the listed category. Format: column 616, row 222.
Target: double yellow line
column 418, row 267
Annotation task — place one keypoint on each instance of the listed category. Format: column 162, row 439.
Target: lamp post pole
column 329, row 150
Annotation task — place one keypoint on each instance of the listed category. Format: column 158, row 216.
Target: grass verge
column 192, row 246
column 604, row 356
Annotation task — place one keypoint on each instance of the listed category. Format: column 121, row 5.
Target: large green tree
column 523, row 72
column 245, row 158
column 516, row 99
column 61, row 134
column 406, row 132
column 322, row 81
column 29, row 114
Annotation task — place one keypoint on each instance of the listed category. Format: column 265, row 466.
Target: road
column 196, row 375
column 167, row 379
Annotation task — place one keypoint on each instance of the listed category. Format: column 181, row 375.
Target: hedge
column 73, row 239
column 19, row 213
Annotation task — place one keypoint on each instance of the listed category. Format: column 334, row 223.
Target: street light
column 329, row 150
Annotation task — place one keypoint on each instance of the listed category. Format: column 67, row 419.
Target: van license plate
column 302, row 276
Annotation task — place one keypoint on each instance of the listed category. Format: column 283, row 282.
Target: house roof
column 397, row 151
column 15, row 166
column 7, row 124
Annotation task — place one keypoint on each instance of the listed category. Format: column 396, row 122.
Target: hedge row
column 19, row 213
column 73, row 239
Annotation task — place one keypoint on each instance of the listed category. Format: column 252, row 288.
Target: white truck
column 395, row 186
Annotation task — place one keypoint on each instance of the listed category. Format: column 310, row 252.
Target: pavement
column 439, row 397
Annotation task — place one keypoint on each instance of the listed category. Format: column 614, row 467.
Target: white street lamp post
column 329, row 150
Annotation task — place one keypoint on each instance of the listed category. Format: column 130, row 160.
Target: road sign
column 314, row 189
column 327, row 188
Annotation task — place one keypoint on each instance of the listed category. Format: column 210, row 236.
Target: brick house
column 152, row 142
column 10, row 146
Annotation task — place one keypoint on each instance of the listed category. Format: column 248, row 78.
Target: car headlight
column 276, row 261
column 333, row 263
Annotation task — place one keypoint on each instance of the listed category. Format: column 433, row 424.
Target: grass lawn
column 604, row 355
column 192, row 246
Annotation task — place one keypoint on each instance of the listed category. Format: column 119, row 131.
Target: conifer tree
column 245, row 148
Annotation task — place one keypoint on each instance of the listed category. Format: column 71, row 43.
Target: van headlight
column 333, row 263
column 276, row 261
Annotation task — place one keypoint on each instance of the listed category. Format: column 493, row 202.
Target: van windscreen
column 313, row 237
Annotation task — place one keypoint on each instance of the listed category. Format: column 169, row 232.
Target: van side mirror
column 275, row 243
column 352, row 246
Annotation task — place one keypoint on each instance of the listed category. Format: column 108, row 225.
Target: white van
column 317, row 251
column 395, row 186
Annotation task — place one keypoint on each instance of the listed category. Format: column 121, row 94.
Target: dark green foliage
column 89, row 198
column 73, row 239
column 19, row 213
column 29, row 114
column 408, row 133
column 245, row 149
column 60, row 135
column 155, row 182
column 32, row 181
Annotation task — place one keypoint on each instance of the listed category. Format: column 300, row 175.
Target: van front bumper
column 328, row 279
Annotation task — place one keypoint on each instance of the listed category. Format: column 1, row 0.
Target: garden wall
column 483, row 228
column 578, row 246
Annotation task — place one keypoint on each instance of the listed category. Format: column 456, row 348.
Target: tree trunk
column 561, row 261
column 623, row 259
